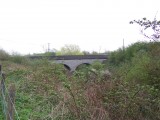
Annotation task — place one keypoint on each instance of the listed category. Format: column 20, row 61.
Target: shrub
column 139, row 62
column 134, row 91
column 4, row 55
column 120, row 56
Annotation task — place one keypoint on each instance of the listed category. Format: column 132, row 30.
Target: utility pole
column 123, row 44
column 48, row 47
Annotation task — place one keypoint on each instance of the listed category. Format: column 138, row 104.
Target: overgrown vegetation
column 45, row 91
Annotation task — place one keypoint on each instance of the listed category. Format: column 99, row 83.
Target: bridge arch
column 81, row 65
column 67, row 67
column 104, row 61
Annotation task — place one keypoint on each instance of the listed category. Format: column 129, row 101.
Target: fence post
column 3, row 91
column 8, row 106
column 0, row 68
column 11, row 101
column 0, row 76
column 2, row 81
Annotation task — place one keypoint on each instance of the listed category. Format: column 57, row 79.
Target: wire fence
column 8, row 99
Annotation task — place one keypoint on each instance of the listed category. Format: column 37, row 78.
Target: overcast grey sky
column 27, row 26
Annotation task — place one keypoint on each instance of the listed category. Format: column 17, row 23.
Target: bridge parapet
column 71, row 57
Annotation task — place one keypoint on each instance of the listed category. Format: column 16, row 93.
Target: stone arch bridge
column 71, row 62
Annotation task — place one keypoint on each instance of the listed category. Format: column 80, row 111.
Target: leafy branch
column 145, row 24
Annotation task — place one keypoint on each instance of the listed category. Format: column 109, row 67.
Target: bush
column 120, row 56
column 139, row 63
column 4, row 55
column 134, row 91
